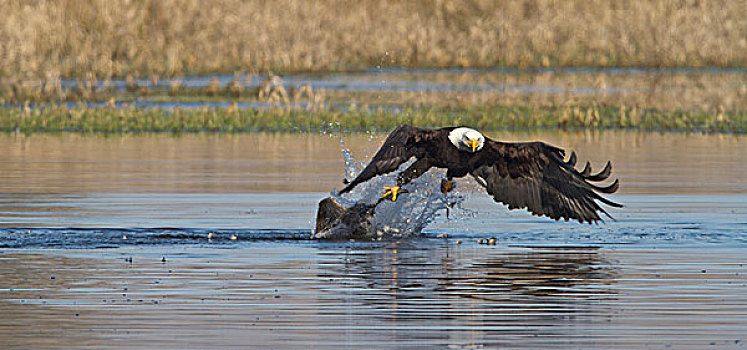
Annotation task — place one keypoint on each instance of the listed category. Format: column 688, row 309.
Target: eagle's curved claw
column 447, row 186
column 391, row 190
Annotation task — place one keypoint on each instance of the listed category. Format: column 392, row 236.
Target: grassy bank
column 108, row 120
column 97, row 38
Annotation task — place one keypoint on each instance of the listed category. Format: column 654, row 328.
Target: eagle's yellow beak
column 471, row 143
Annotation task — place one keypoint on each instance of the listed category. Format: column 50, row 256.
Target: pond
column 105, row 244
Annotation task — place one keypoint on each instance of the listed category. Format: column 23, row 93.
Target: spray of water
column 413, row 211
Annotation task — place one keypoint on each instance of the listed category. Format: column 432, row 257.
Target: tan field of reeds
column 104, row 38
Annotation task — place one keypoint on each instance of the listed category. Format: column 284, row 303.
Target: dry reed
column 104, row 38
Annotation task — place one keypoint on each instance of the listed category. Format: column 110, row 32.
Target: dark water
column 104, row 243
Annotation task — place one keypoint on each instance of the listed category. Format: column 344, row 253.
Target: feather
column 402, row 144
column 572, row 160
column 587, row 170
column 609, row 189
column 602, row 175
column 535, row 176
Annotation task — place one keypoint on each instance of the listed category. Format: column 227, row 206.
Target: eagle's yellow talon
column 447, row 186
column 393, row 190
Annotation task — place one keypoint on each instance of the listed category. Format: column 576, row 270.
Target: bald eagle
column 531, row 175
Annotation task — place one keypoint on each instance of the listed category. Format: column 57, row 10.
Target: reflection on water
column 432, row 296
column 648, row 163
column 421, row 293
column 439, row 276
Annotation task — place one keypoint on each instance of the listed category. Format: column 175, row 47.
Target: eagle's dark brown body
column 440, row 153
column 530, row 175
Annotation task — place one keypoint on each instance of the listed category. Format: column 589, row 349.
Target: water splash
column 352, row 167
column 413, row 211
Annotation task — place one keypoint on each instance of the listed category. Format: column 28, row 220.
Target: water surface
column 105, row 244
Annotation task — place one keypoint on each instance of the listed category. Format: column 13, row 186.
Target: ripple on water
column 418, row 293
column 669, row 272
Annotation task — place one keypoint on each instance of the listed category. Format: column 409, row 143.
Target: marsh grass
column 697, row 102
column 38, row 91
column 109, row 120
column 705, row 90
column 96, row 39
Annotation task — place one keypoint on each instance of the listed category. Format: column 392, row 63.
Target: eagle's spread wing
column 399, row 147
column 533, row 175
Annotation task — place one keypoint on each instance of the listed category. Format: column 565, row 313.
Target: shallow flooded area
column 686, row 88
column 201, row 240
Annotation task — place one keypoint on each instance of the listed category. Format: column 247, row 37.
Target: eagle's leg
column 412, row 172
column 447, row 185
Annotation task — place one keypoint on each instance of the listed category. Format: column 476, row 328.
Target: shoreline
column 232, row 119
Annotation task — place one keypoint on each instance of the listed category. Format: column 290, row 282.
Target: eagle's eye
column 471, row 144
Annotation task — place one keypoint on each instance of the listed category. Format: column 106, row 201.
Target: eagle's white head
column 466, row 139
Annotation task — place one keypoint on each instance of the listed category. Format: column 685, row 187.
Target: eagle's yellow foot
column 393, row 190
column 447, row 186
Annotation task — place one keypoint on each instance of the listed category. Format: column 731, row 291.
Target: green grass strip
column 135, row 120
